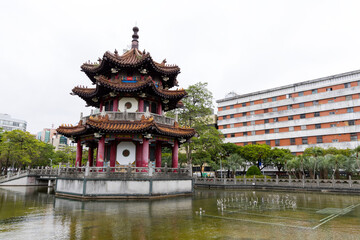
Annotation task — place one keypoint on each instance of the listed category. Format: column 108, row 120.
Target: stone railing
column 113, row 172
column 135, row 116
column 283, row 183
column 13, row 175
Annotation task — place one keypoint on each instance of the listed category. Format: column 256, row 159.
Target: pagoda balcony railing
column 134, row 116
column 120, row 172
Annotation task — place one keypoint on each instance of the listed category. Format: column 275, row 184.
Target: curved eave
column 71, row 131
column 131, row 59
column 148, row 126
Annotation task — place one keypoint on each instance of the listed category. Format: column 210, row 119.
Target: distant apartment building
column 7, row 123
column 324, row 112
column 49, row 135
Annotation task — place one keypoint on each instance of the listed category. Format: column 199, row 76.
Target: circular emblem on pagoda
column 128, row 104
column 126, row 153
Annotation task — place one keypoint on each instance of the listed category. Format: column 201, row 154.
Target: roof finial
column 135, row 36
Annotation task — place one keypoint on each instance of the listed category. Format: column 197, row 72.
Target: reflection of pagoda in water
column 132, row 92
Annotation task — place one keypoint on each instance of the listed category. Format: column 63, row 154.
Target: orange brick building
column 324, row 112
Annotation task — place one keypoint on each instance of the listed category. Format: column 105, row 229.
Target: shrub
column 253, row 170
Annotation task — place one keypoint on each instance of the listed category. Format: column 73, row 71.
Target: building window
column 316, row 114
column 347, row 85
column 291, row 129
column 350, row 110
column 289, row 107
column 252, row 122
column 252, row 113
column 244, row 113
column 301, row 105
column 314, row 91
column 302, row 116
column 266, row 110
column 265, row 100
column 231, row 115
column 276, row 119
column 276, row 130
column 267, row 131
column 331, row 113
column 292, row 141
column 333, row 125
column 253, row 143
column 288, row 95
column 268, row 142
column 304, row 140
column 251, row 103
column 253, row 133
column 335, row 140
column 301, row 94
column 277, row 142
column 317, row 126
column 329, row 89
column 290, row 118
column 231, row 125
column 316, row 102
column 232, row 135
column 274, row 109
column 245, row 133
column 244, row 123
column 224, row 126
column 330, row 100
column 232, row 107
column 353, row 137
column 245, row 143
column 319, row 139
column 349, row 97
column 351, row 122
column 223, row 108
column 273, row 99
column 243, row 104
column 266, row 121
column 303, row 127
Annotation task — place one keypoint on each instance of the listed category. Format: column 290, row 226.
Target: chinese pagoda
column 132, row 93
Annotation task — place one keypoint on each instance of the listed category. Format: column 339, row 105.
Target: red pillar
column 91, row 156
column 101, row 152
column 145, row 153
column 175, row 152
column 138, row 161
column 158, row 154
column 78, row 153
column 113, row 154
column 159, row 109
column 141, row 105
column 101, row 105
column 115, row 105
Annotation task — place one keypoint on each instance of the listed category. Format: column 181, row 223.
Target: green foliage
column 253, row 170
column 256, row 154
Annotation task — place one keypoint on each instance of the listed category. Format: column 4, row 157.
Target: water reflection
column 34, row 213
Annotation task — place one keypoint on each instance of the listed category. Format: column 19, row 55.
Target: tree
column 279, row 157
column 234, row 162
column 257, row 154
column 207, row 147
column 197, row 107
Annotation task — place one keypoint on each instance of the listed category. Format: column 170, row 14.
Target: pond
column 35, row 213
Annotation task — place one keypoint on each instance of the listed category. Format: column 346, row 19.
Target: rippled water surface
column 35, row 213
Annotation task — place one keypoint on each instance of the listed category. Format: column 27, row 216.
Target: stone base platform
column 105, row 188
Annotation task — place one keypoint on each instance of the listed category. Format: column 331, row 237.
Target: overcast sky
column 241, row 46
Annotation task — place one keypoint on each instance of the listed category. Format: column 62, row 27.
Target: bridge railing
column 283, row 182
